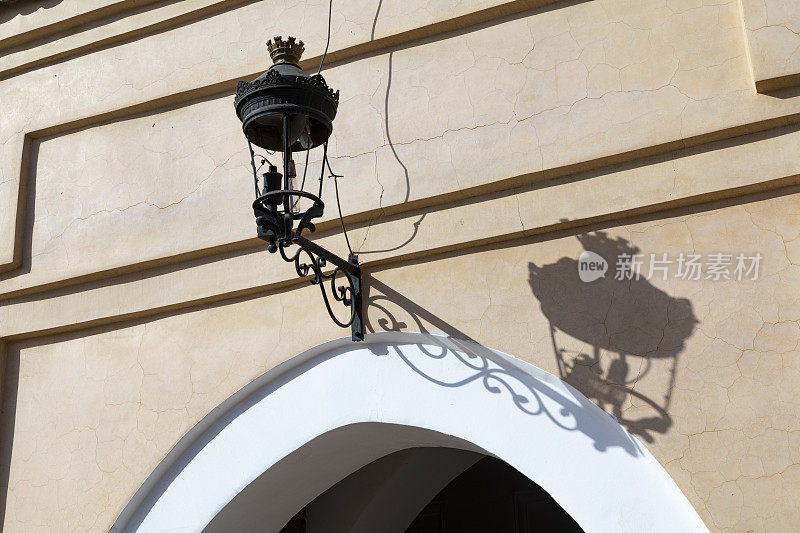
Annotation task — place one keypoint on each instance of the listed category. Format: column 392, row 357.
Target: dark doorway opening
column 487, row 496
column 493, row 496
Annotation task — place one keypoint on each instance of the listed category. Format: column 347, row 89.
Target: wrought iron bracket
column 310, row 259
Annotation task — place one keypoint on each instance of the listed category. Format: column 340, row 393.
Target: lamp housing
column 285, row 89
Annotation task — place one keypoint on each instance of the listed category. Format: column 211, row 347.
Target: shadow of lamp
column 632, row 322
column 285, row 110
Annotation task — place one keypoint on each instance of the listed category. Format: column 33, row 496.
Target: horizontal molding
column 175, row 15
column 70, row 23
column 772, row 41
column 174, row 99
column 407, row 38
column 473, row 20
column 783, row 187
column 772, row 85
column 527, row 212
column 67, row 45
column 542, row 177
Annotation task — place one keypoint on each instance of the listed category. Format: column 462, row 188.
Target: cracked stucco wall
column 598, row 78
column 476, row 170
column 773, row 34
column 95, row 410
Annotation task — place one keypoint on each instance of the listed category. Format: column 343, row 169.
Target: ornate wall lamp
column 285, row 110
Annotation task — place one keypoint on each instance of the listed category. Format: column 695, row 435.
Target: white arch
column 320, row 416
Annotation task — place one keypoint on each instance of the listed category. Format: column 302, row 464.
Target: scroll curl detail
column 306, row 264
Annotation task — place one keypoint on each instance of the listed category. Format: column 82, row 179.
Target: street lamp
column 285, row 110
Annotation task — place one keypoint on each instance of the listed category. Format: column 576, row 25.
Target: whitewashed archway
column 318, row 417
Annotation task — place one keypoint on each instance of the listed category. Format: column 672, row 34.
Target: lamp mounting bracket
column 310, row 259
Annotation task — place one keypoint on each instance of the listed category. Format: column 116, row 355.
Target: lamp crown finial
column 285, row 51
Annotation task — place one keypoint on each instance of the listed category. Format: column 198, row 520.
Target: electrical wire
column 328, row 41
column 338, row 205
column 322, row 169
column 336, row 177
column 325, row 161
column 253, row 163
column 263, row 158
column 263, row 162
column 305, row 169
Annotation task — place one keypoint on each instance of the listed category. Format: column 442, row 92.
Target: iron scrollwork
column 311, row 260
column 286, row 110
column 315, row 266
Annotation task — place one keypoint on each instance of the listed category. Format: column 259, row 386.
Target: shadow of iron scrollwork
column 609, row 335
column 391, row 311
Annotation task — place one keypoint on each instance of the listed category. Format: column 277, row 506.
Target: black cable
column 338, row 205
column 330, row 170
column 253, row 163
column 325, row 161
column 328, row 42
column 322, row 170
column 305, row 168
column 336, row 188
column 263, row 162
column 263, row 157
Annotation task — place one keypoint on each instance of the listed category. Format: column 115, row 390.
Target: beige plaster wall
column 23, row 19
column 773, row 33
column 603, row 79
column 484, row 146
column 703, row 372
column 109, row 24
